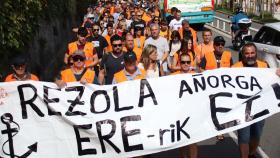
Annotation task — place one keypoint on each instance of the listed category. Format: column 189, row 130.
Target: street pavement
column 211, row 148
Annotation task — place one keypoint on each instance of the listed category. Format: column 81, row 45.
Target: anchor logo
column 7, row 119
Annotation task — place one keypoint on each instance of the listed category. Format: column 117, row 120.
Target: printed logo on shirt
column 95, row 43
column 139, row 25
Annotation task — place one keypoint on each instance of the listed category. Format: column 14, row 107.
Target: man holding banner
column 77, row 72
column 185, row 64
column 217, row 59
column 249, row 137
column 130, row 71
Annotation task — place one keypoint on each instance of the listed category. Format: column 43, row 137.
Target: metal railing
column 224, row 25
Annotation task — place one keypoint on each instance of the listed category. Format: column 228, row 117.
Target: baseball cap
column 130, row 57
column 79, row 53
column 219, row 39
column 19, row 60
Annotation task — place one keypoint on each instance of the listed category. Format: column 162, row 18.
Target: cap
column 78, row 53
column 130, row 57
column 19, row 60
column 218, row 39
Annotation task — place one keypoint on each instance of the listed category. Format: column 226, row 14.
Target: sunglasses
column 95, row 29
column 78, row 58
column 220, row 44
column 185, row 62
column 18, row 66
column 117, row 45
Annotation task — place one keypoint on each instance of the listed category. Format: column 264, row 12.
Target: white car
column 267, row 41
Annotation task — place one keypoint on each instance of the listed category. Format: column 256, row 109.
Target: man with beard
column 110, row 33
column 130, row 71
column 112, row 62
column 129, row 45
column 217, row 58
column 98, row 41
column 249, row 137
column 187, row 31
column 82, row 44
column 249, row 57
column 138, row 22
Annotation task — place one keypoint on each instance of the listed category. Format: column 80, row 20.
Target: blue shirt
column 237, row 17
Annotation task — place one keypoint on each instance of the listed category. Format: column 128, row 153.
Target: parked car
column 267, row 41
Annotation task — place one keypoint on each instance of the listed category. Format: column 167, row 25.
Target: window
column 276, row 40
column 265, row 36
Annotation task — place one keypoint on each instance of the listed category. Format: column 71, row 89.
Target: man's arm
column 101, row 77
column 202, row 64
column 101, row 74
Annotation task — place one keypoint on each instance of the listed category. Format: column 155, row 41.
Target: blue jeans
column 253, row 131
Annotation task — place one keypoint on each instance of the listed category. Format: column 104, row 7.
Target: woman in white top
column 174, row 46
column 150, row 63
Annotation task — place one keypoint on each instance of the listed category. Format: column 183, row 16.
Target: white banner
column 132, row 118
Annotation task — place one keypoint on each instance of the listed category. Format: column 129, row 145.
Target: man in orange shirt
column 217, row 58
column 77, row 72
column 130, row 47
column 110, row 33
column 186, row 30
column 164, row 31
column 130, row 71
column 139, row 40
column 20, row 73
column 249, row 137
column 206, row 46
column 82, row 44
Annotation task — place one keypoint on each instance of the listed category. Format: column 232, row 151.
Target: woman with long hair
column 150, row 63
column 174, row 46
column 186, row 47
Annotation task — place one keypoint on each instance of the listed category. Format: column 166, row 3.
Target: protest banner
column 132, row 118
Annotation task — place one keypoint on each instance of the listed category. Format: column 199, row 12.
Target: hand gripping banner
column 132, row 118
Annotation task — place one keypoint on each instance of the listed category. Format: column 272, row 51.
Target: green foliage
column 20, row 20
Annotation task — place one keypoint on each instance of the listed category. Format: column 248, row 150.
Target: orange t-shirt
column 109, row 48
column 164, row 34
column 146, row 18
column 11, row 78
column 202, row 49
column 139, row 42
